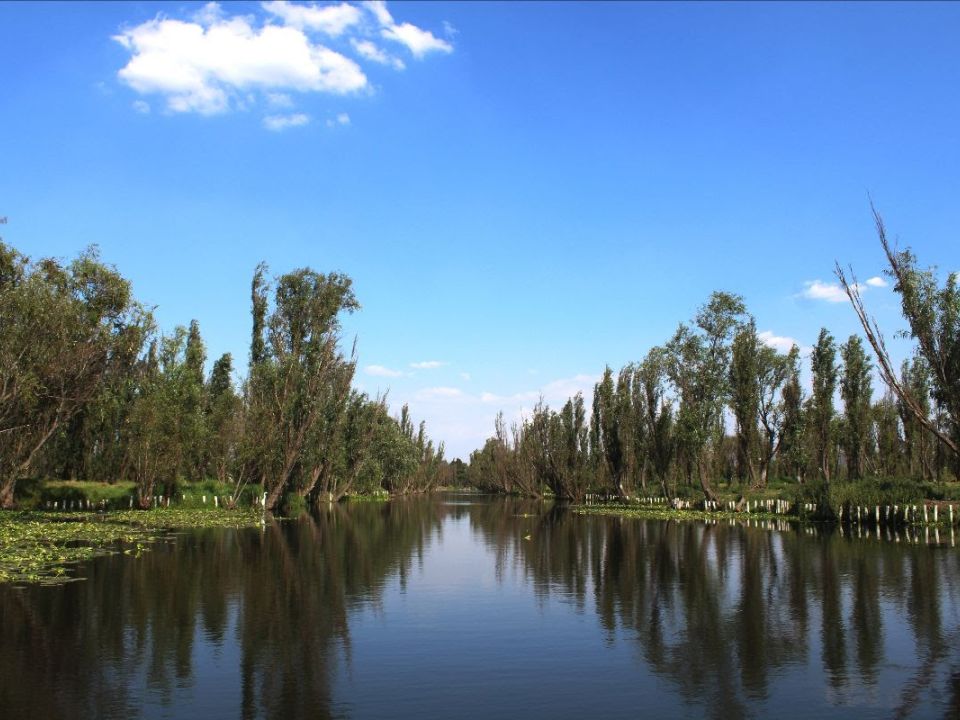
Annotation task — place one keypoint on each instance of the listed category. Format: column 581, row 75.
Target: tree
column 62, row 330
column 823, row 363
column 698, row 360
column 856, row 391
column 609, row 433
column 745, row 379
column 933, row 313
column 297, row 373
column 793, row 420
column 656, row 411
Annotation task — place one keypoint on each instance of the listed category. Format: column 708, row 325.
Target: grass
column 40, row 547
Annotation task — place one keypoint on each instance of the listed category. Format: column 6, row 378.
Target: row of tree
column 90, row 390
column 716, row 402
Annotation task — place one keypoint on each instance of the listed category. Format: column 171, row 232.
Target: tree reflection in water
column 724, row 614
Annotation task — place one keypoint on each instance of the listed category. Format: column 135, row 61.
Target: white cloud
column 209, row 14
column 427, row 364
column 279, row 100
column 141, row 107
column 368, row 50
column 418, row 41
column 777, row 342
column 465, row 376
column 817, row 290
column 877, row 282
column 341, row 119
column 379, row 10
column 333, row 20
column 381, row 371
column 201, row 66
column 212, row 62
column 282, row 122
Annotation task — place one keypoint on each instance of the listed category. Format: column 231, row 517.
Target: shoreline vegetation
column 91, row 389
column 721, row 413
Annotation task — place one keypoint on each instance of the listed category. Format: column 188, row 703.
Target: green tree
column 932, row 311
column 63, row 329
column 295, row 373
column 856, row 390
column 698, row 367
column 823, row 363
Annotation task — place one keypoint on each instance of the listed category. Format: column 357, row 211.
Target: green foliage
column 64, row 329
column 89, row 392
column 856, row 390
column 821, row 415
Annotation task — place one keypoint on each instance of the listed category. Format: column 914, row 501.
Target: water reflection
column 734, row 621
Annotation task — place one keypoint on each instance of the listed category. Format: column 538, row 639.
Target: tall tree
column 656, row 411
column 823, row 363
column 793, row 423
column 698, row 367
column 745, row 378
column 301, row 364
column 856, row 390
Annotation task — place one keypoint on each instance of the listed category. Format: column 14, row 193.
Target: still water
column 464, row 607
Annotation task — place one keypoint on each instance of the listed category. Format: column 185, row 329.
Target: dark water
column 460, row 607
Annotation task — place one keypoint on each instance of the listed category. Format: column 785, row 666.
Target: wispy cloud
column 141, row 107
column 418, row 41
column 341, row 119
column 427, row 364
column 332, row 20
column 381, row 371
column 282, row 122
column 877, row 282
column 369, row 51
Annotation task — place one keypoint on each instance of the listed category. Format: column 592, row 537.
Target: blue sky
column 522, row 193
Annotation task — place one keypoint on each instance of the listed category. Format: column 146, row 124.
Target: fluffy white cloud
column 417, row 40
column 817, row 290
column 333, row 20
column 877, row 282
column 141, row 107
column 212, row 62
column 199, row 67
column 381, row 371
column 369, row 51
column 282, row 122
column 427, row 364
column 777, row 342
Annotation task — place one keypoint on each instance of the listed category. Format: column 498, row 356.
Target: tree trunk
column 702, row 471
column 6, row 493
